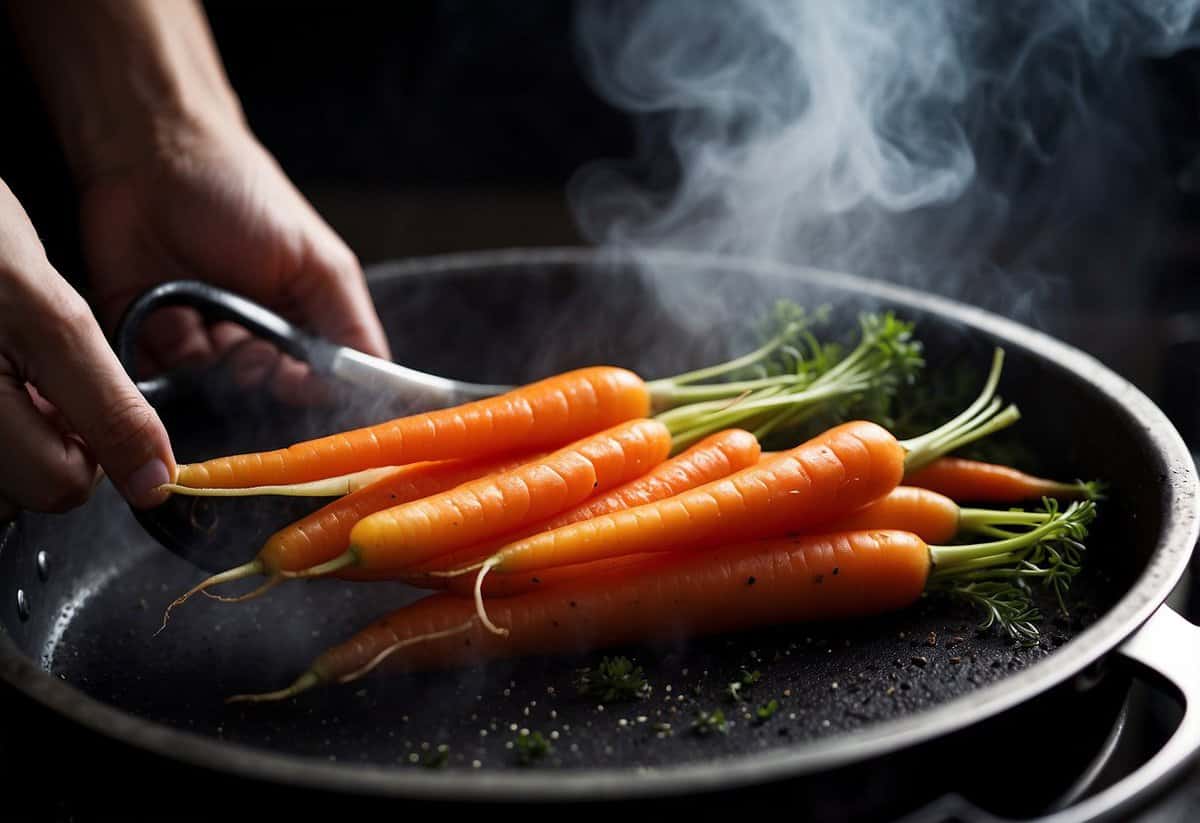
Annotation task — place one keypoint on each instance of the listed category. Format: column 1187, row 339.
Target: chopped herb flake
column 531, row 747
column 708, row 722
column 613, row 680
column 766, row 710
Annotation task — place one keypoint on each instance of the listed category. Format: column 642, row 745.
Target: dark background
column 424, row 127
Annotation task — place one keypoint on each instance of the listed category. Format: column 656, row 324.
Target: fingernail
column 142, row 486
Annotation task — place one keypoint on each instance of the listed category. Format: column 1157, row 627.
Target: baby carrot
column 978, row 482
column 817, row 482
column 545, row 414
column 724, row 589
column 562, row 408
column 933, row 517
column 403, row 536
column 323, row 534
column 715, row 456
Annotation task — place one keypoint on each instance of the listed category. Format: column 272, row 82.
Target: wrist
column 125, row 80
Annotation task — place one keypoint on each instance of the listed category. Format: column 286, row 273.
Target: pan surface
column 93, row 584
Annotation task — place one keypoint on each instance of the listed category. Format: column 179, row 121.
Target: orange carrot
column 816, row 483
column 715, row 456
column 400, row 537
column 687, row 594
column 545, row 414
column 324, row 533
column 674, row 595
column 977, row 482
column 933, row 517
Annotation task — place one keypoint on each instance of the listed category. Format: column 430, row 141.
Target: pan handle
column 325, row 358
column 1167, row 649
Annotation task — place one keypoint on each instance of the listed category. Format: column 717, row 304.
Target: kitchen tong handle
column 216, row 304
column 418, row 389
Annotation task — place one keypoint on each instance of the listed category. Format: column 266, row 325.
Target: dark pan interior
column 93, row 614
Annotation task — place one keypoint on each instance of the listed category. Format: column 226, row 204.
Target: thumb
column 79, row 373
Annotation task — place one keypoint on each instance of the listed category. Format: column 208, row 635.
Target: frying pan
column 906, row 708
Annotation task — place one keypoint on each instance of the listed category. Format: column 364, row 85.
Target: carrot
column 565, row 407
column 544, row 414
column 322, row 535
column 817, row 482
column 723, row 589
column 933, row 517
column 403, row 536
column 978, row 482
column 398, row 540
column 716, row 456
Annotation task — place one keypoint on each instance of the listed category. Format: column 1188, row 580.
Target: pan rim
column 1167, row 564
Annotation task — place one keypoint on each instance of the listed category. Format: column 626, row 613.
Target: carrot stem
column 992, row 575
column 983, row 417
column 663, row 389
column 976, row 520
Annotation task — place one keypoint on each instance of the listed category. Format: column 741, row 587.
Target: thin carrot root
column 236, row 573
column 311, row 679
column 480, row 611
column 397, row 646
column 328, row 487
column 457, row 572
column 302, row 683
column 271, row 582
column 320, row 570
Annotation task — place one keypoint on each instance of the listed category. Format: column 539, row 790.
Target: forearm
column 124, row 77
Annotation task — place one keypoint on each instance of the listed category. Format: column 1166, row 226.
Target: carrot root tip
column 457, row 572
column 236, row 573
column 480, row 611
column 271, row 582
column 362, row 671
column 303, row 683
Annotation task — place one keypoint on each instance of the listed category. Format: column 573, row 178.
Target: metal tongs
column 215, row 534
column 419, row 389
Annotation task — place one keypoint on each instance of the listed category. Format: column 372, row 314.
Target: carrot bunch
column 578, row 414
column 627, row 509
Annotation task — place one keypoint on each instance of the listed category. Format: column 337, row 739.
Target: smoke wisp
column 925, row 142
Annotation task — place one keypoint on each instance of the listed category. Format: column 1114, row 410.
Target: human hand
column 66, row 403
column 206, row 201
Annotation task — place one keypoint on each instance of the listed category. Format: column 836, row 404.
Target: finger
column 176, row 337
column 74, row 369
column 44, row 470
column 253, row 362
column 331, row 292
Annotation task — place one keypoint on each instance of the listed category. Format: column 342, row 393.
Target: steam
column 902, row 140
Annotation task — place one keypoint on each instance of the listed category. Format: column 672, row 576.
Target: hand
column 207, row 202
column 66, row 403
